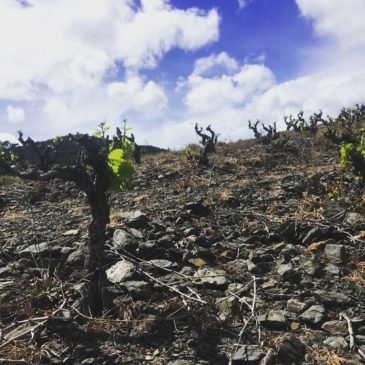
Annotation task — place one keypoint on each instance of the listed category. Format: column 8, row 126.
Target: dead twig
column 14, row 362
column 34, row 328
column 349, row 328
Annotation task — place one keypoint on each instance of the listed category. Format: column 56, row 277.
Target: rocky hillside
column 257, row 259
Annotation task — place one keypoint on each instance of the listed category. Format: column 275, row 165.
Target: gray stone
column 313, row 315
column 89, row 361
column 121, row 271
column 234, row 288
column 331, row 270
column 259, row 268
column 360, row 339
column 274, row 319
column 123, row 240
column 77, row 257
column 214, row 278
column 354, row 219
column 288, row 273
column 335, row 328
column 291, row 350
column 226, row 304
column 162, row 264
column 247, row 355
column 336, row 254
column 294, row 305
column 138, row 289
column 336, row 342
column 311, row 266
column 332, row 298
column 180, row 362
column 137, row 220
column 43, row 249
column 146, row 249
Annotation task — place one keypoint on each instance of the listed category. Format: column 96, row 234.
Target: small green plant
column 346, row 132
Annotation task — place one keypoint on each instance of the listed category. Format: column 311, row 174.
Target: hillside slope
column 257, row 259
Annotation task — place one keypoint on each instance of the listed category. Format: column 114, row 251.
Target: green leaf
column 345, row 154
column 122, row 170
column 57, row 140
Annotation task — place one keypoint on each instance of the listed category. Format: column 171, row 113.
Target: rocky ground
column 258, row 259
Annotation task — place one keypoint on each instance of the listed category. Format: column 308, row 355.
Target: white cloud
column 207, row 63
column 242, row 3
column 8, row 137
column 230, row 89
column 134, row 93
column 15, row 114
column 342, row 20
column 64, row 65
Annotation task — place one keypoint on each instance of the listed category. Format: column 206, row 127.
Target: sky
column 67, row 65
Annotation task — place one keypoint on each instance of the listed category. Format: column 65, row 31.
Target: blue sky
column 66, row 65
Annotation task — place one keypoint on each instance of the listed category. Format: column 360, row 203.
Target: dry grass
column 114, row 219
column 193, row 182
column 272, row 343
column 10, row 216
column 357, row 276
column 326, row 356
column 22, row 350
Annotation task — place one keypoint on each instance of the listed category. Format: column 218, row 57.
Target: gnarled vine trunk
column 95, row 258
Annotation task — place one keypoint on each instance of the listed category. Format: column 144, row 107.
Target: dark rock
column 260, row 268
column 335, row 328
column 124, row 240
column 288, row 273
column 43, row 249
column 2, row 202
column 332, row 208
column 336, row 254
column 331, row 270
column 137, row 220
column 82, row 352
column 197, row 208
column 332, row 298
column 160, row 265
column 313, row 315
column 354, row 219
column 138, row 289
column 147, row 249
column 291, row 350
column 294, row 305
column 77, row 257
column 311, row 266
column 336, row 342
column 274, row 319
column 212, row 278
column 232, row 202
column 247, row 355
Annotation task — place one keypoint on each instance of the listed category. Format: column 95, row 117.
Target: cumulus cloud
column 242, row 3
column 138, row 95
column 229, row 89
column 341, row 20
column 66, row 64
column 207, row 63
column 15, row 114
column 8, row 137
